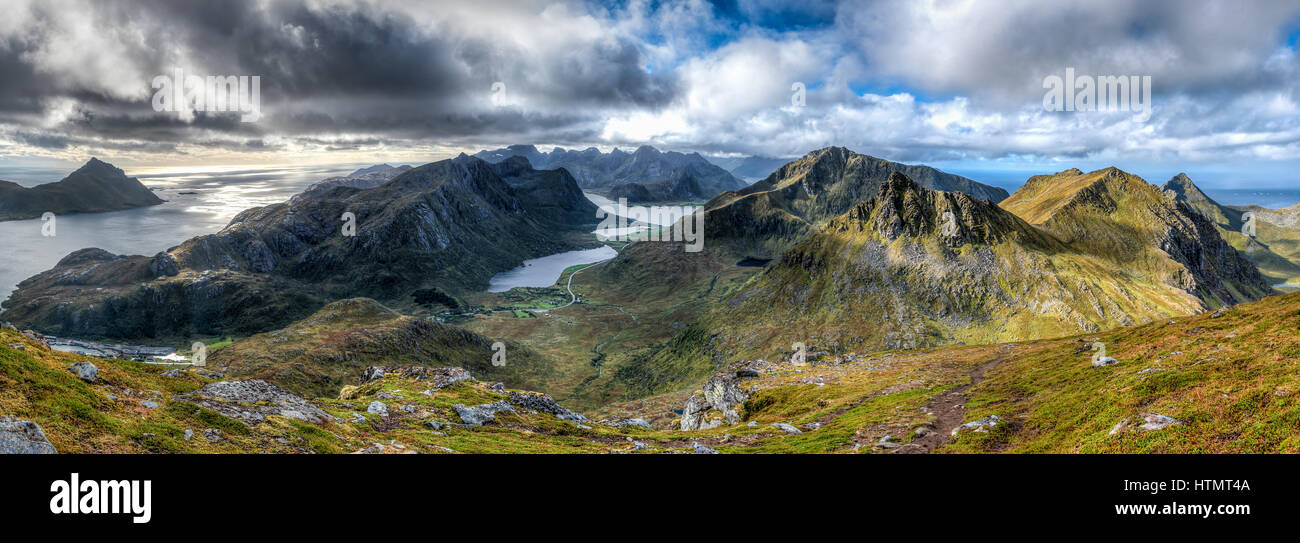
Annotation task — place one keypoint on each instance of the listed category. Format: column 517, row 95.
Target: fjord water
column 544, row 271
column 211, row 198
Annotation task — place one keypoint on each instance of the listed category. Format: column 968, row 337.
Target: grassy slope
column 1232, row 379
column 316, row 356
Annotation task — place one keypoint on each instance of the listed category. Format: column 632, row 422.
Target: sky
column 956, row 84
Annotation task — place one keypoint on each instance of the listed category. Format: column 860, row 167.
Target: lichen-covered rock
column 252, row 401
column 980, row 426
column 693, row 412
column 1156, row 421
column 479, row 414
column 23, row 437
column 85, row 371
column 722, row 394
column 543, row 403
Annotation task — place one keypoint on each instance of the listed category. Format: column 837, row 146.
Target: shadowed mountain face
column 911, row 267
column 1275, row 247
column 449, row 225
column 658, row 174
column 95, row 187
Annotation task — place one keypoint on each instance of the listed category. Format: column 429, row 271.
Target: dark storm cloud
column 337, row 68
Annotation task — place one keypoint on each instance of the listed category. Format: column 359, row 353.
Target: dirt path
column 948, row 407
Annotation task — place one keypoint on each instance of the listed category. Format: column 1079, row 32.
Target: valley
column 831, row 310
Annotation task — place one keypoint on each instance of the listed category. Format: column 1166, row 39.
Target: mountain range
column 900, row 284
column 655, row 176
column 95, row 187
column 447, row 226
column 1068, row 253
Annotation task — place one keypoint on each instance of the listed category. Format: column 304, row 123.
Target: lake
column 543, row 272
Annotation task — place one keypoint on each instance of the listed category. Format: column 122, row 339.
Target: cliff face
column 1275, row 247
column 95, row 187
column 449, row 225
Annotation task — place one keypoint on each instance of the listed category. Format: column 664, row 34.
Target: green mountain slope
column 319, row 354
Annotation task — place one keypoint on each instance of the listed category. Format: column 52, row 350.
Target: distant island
column 95, row 187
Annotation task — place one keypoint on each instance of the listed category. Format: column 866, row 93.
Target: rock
column 188, row 434
column 252, row 401
column 922, row 431
column 408, row 408
column 23, row 437
column 701, row 449
column 372, row 373
column 752, row 424
column 149, row 405
column 385, row 395
column 746, row 373
column 358, row 418
column 436, row 425
column 983, row 425
column 786, row 428
column 1104, row 361
column 499, row 388
column 712, row 423
column 1118, row 427
column 722, row 394
column 624, row 423
column 17, row 346
column 212, row 434
column 441, row 377
column 1156, row 421
column 812, row 426
column 477, row 415
column 637, row 445
column 85, row 371
column 377, row 407
column 693, row 412
column 543, row 403
column 172, row 373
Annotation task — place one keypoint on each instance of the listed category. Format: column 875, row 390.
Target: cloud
column 936, row 80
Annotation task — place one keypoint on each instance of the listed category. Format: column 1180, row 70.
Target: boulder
column 378, row 408
column 543, row 403
column 786, row 428
column 252, row 401
column 1156, row 421
column 981, row 426
column 477, row 415
column 85, row 371
column 722, row 394
column 23, row 437
column 701, row 449
column 693, row 412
